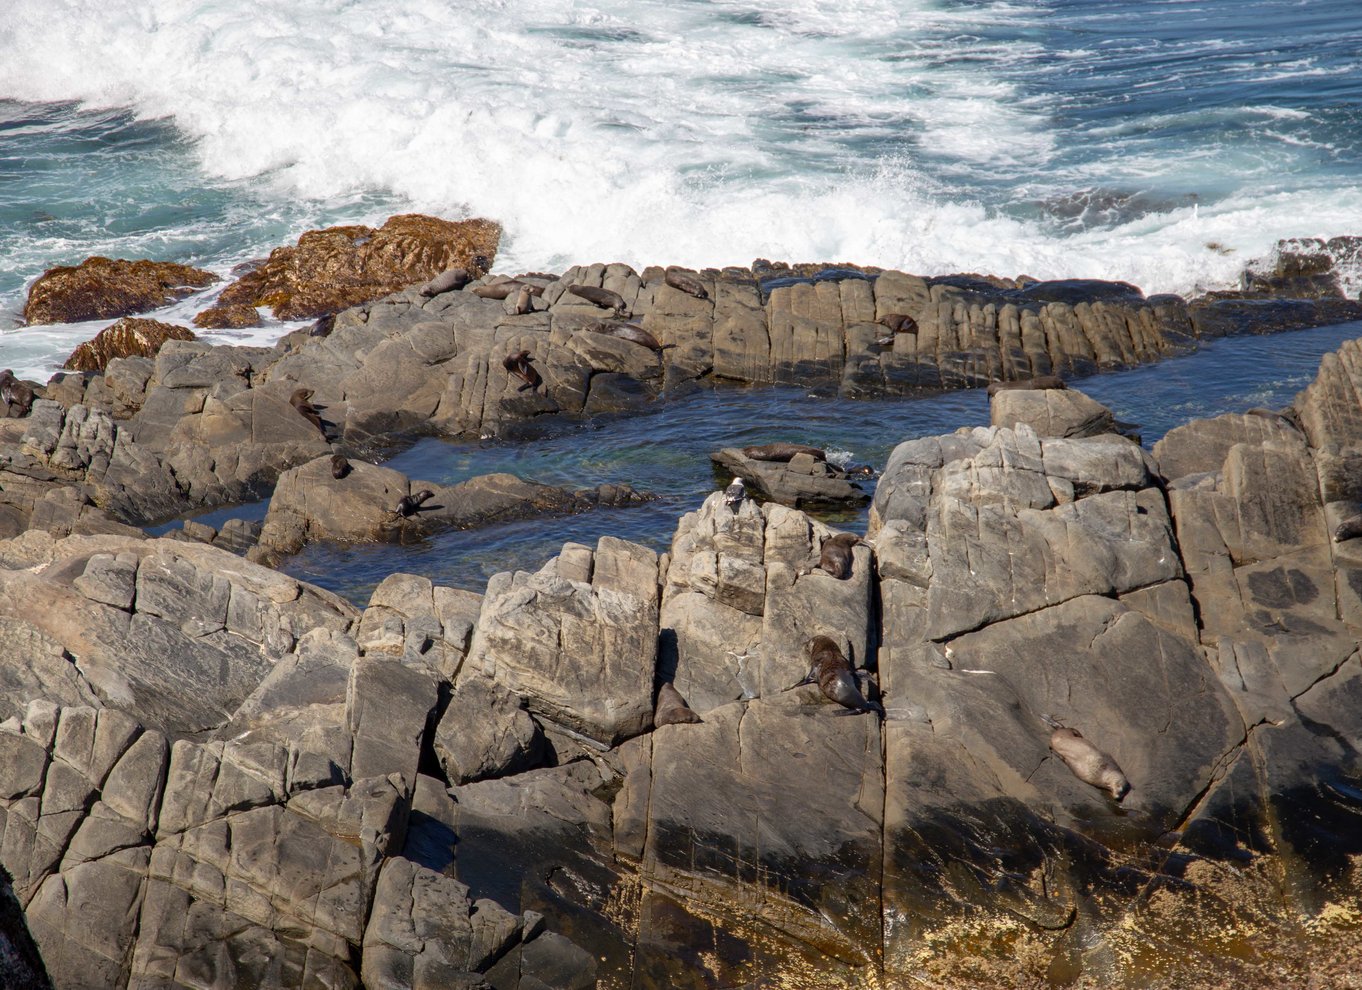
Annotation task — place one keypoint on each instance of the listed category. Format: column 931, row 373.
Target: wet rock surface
column 106, row 288
column 129, row 337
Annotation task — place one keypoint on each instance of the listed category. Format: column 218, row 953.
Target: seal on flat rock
column 832, row 672
column 1088, row 763
column 301, row 399
column 522, row 301
column 685, row 282
column 499, row 289
column 631, row 332
column 409, row 505
column 447, row 281
column 604, row 298
column 323, row 326
column 783, row 452
column 340, row 467
column 1349, row 529
column 519, row 365
column 15, row 394
column 734, row 494
column 835, row 557
column 672, row 708
column 1038, row 383
column 899, row 323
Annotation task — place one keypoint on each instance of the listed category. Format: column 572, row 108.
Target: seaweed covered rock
column 104, row 288
column 129, row 337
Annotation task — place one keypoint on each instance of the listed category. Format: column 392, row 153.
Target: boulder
column 332, row 269
column 801, row 482
column 233, row 317
column 129, row 337
column 1051, row 412
column 103, row 288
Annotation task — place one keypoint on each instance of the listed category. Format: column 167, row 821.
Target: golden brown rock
column 228, row 318
column 101, row 288
column 129, row 337
column 332, row 269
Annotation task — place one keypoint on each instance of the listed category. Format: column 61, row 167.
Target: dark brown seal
column 1088, row 763
column 835, row 557
column 1039, row 382
column 604, row 298
column 301, row 399
column 672, row 708
column 409, row 505
column 15, row 395
column 783, row 452
column 519, row 365
column 340, row 467
column 685, row 282
column 447, row 281
column 496, row 290
column 1348, row 529
column 899, row 323
column 631, row 332
column 831, row 671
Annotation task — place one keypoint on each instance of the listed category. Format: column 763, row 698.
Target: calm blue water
column 1165, row 142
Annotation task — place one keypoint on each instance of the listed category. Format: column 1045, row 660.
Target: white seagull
column 734, row 494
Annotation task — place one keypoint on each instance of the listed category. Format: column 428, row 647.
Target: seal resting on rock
column 835, row 556
column 16, row 395
column 832, row 672
column 604, row 298
column 686, row 283
column 522, row 301
column 1349, row 529
column 734, row 494
column 1088, row 763
column 301, row 399
column 783, row 452
column 447, row 281
column 519, row 365
column 631, row 332
column 1039, row 382
column 340, row 467
column 409, row 505
column 899, row 323
column 672, row 708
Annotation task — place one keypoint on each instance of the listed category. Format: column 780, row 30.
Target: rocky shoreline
column 212, row 774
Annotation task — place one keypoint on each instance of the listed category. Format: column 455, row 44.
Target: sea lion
column 899, row 323
column 16, row 395
column 1088, row 763
column 734, row 494
column 631, row 332
column 522, row 303
column 831, row 671
column 604, row 298
column 447, row 281
column 783, row 452
column 835, row 557
column 858, row 471
column 519, row 365
column 323, row 326
column 409, row 505
column 301, row 400
column 672, row 708
column 685, row 282
column 1039, row 382
column 1349, row 529
column 340, row 467
column 499, row 289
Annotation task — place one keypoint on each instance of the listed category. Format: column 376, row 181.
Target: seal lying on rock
column 831, row 671
column 301, row 399
column 631, row 332
column 899, row 323
column 499, row 289
column 604, row 298
column 1039, row 382
column 835, row 556
column 447, row 281
column 340, row 467
column 520, row 366
column 15, row 395
column 409, row 505
column 1088, row 763
column 686, row 283
column 1349, row 529
column 783, row 452
column 672, row 708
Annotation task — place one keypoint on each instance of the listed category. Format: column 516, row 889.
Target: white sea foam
column 697, row 134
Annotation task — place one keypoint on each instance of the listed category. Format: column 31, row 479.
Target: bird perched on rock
column 832, row 672
column 734, row 494
column 1088, row 763
column 519, row 365
column 409, row 505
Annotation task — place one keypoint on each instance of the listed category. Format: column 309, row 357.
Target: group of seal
column 520, row 366
column 15, row 395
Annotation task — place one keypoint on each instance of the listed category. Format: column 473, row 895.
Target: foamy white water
column 1161, row 143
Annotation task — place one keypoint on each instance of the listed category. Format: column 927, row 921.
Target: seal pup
column 832, row 672
column 684, row 282
column 604, row 298
column 783, row 452
column 835, row 557
column 672, row 708
column 519, row 365
column 522, row 303
column 1349, row 529
column 340, row 467
column 1039, row 382
column 1088, row 763
column 16, row 395
column 409, row 505
column 734, row 494
column 447, row 281
column 631, row 332
column 301, row 400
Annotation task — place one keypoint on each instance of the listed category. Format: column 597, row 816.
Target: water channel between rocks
column 666, row 450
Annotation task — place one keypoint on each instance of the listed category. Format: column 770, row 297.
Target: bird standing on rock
column 734, row 494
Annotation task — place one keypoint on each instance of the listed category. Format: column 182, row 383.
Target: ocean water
column 1164, row 142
